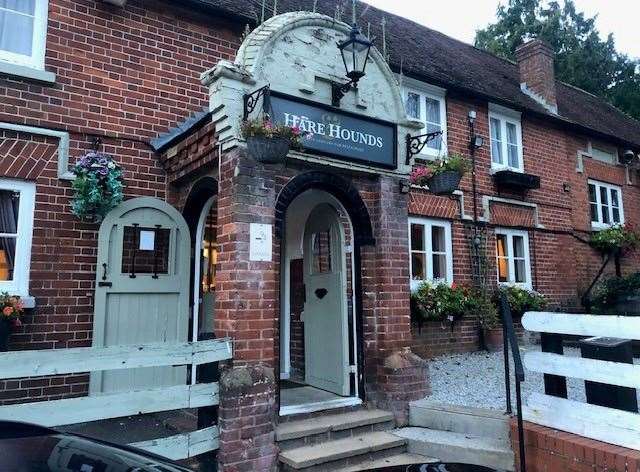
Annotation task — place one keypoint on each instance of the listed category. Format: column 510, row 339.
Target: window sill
column 28, row 73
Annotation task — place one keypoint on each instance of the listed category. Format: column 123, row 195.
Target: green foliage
column 608, row 291
column 614, row 239
column 268, row 129
column 521, row 299
column 437, row 302
column 97, row 186
column 421, row 174
column 583, row 59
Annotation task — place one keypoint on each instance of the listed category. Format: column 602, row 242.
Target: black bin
column 612, row 396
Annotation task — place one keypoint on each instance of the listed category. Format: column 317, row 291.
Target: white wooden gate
column 19, row 364
column 592, row 421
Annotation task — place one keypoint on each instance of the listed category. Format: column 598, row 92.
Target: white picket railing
column 19, row 364
column 592, row 421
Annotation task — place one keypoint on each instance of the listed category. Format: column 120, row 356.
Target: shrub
column 521, row 299
column 608, row 291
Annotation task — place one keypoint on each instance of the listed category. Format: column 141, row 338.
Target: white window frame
column 435, row 93
column 510, row 233
column 504, row 116
column 36, row 59
column 20, row 283
column 599, row 224
column 428, row 223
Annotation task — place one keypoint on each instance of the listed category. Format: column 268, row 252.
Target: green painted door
column 325, row 322
column 142, row 284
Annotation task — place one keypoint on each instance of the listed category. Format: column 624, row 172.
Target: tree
column 583, row 59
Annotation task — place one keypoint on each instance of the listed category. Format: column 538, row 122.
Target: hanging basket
column 268, row 150
column 445, row 183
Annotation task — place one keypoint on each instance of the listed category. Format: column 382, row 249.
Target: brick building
column 254, row 245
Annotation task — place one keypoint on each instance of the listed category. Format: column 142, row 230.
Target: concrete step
column 391, row 461
column 457, row 447
column 459, row 419
column 340, row 453
column 334, row 426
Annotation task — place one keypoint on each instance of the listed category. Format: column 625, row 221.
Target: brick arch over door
column 352, row 202
column 340, row 188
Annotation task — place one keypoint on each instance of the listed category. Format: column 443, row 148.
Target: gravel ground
column 477, row 379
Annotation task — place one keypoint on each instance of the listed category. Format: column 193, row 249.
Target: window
column 506, row 139
column 512, row 257
column 431, row 251
column 603, row 153
column 16, row 227
column 23, row 30
column 605, row 204
column 429, row 107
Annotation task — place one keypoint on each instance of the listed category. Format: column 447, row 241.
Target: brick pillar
column 247, row 303
column 247, row 310
column 403, row 377
column 246, row 419
column 394, row 375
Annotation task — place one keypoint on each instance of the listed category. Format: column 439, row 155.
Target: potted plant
column 97, row 186
column 438, row 302
column 614, row 240
column 521, row 299
column 11, row 309
column 270, row 142
column 482, row 307
column 442, row 176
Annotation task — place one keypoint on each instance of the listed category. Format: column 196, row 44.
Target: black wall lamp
column 355, row 53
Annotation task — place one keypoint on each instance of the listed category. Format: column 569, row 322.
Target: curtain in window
column 16, row 26
column 9, row 225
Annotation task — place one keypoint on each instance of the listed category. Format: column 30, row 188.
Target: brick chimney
column 537, row 76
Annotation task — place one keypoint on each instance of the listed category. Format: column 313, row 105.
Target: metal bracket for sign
column 415, row 144
column 251, row 100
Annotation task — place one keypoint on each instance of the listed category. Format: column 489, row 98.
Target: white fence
column 19, row 364
column 601, row 423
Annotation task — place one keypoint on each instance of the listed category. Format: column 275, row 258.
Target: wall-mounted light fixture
column 476, row 141
column 628, row 157
column 355, row 53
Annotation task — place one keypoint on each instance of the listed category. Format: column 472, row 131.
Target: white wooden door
column 142, row 284
column 325, row 322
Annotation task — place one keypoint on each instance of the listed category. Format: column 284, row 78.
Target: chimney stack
column 537, row 76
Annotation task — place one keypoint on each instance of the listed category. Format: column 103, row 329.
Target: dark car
column 31, row 448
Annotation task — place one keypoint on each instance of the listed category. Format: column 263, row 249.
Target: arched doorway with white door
column 142, row 289
column 323, row 223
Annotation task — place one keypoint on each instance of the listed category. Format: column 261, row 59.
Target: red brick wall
column 435, row 338
column 550, row 450
column 125, row 75
column 562, row 266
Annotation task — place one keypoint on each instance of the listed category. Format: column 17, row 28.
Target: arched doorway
column 142, row 288
column 201, row 214
column 321, row 359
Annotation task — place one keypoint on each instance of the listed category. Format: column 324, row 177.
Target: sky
column 461, row 18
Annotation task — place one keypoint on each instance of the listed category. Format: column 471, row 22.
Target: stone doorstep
column 330, row 451
column 458, row 447
column 476, row 422
column 392, row 461
column 337, row 422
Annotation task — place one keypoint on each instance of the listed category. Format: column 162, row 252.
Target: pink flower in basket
column 420, row 175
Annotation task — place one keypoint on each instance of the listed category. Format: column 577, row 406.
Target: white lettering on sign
column 260, row 242
column 147, row 240
column 334, row 131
